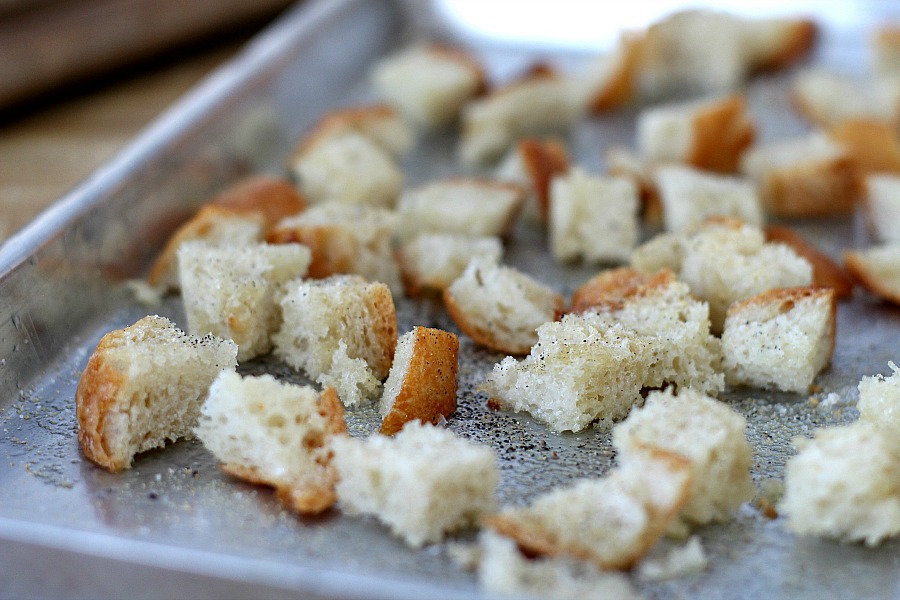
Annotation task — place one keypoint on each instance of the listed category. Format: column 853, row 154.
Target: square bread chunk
column 809, row 176
column 828, row 98
column 432, row 261
column 612, row 521
column 593, row 218
column 709, row 434
column 877, row 269
column 422, row 382
column 422, row 483
column 277, row 434
column 780, row 339
column 845, row 484
column 879, row 399
column 428, row 84
column 532, row 164
column 689, row 196
column 143, row 386
column 379, row 123
column 340, row 331
column 500, row 307
column 883, row 207
column 230, row 290
column 709, row 134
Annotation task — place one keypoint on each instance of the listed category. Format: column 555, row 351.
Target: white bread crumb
column 432, row 261
column 879, row 399
column 423, row 482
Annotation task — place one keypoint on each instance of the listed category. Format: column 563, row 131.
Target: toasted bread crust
column 861, row 270
column 338, row 122
column 721, row 134
column 428, row 390
column 796, row 45
column 824, row 188
column 384, row 327
column 272, row 197
column 826, row 272
column 333, row 249
column 98, row 390
column 874, row 146
column 611, row 290
column 620, row 88
column 543, row 160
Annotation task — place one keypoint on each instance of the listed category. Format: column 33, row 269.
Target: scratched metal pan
column 174, row 525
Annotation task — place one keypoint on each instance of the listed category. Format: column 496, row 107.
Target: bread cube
column 827, row 98
column 230, row 291
column 709, row 434
column 877, row 269
column 143, row 387
column 499, row 307
column 428, row 84
column 845, row 484
column 432, row 261
column 883, row 207
column 690, row 196
column 379, row 123
column 879, row 399
column 532, row 164
column 277, row 434
column 594, row 218
column 422, row 483
column 780, row 339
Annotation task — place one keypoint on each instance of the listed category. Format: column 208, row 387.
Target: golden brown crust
column 861, row 270
column 463, row 58
column 384, row 328
column 428, row 389
column 826, row 272
column 797, row 44
column 621, row 86
column 721, row 134
column 543, row 160
column 873, row 146
column 341, row 121
column 98, row 391
column 611, row 290
column 272, row 197
column 333, row 249
column 818, row 189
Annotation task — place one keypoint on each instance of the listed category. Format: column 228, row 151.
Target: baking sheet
column 174, row 525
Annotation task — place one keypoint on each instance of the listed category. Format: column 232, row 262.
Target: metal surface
column 174, row 525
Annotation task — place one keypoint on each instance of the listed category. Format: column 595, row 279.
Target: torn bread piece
column 877, row 269
column 230, row 291
column 500, row 307
column 422, row 381
column 882, row 204
column 429, row 83
column 709, row 434
column 241, row 214
column 826, row 272
column 845, row 484
column 710, row 134
column 593, row 218
column 689, row 196
column 341, row 330
column 612, row 521
column 465, row 205
column 540, row 102
column 272, row 433
column 826, row 98
column 345, row 239
column 432, row 261
column 780, row 339
column 682, row 350
column 423, row 483
column 143, row 387
column 879, row 399
column 874, row 147
column 532, row 164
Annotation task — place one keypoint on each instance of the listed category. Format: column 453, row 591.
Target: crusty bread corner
column 877, row 269
column 612, row 289
column 826, row 272
column 273, row 197
column 143, row 386
column 873, row 146
column 776, row 43
column 379, row 123
column 278, row 434
column 611, row 79
column 611, row 522
column 542, row 160
column 422, row 382
column 431, row 262
column 499, row 307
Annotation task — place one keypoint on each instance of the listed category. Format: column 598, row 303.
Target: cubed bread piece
column 777, row 42
column 594, row 218
column 467, row 206
column 724, row 261
column 610, row 80
column 886, row 49
column 532, row 164
column 826, row 272
column 344, row 316
column 349, row 168
column 379, row 123
column 143, row 386
column 676, row 326
column 709, row 434
column 780, row 339
column 879, row 399
column 499, row 307
column 883, row 207
column 542, row 101
column 623, row 162
column 877, row 269
column 423, row 482
column 612, row 521
column 429, row 83
column 710, row 134
column 432, row 261
column 230, row 291
column 845, row 484
column 689, row 196
column 873, row 147
column 345, row 239
column 827, row 98
column 277, row 434
column 272, row 197
column 423, row 379
column 581, row 370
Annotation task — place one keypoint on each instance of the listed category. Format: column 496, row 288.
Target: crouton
column 532, row 164
column 877, row 269
column 690, row 196
column 433, row 261
column 826, row 272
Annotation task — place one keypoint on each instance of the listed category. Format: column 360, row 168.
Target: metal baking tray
column 174, row 525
